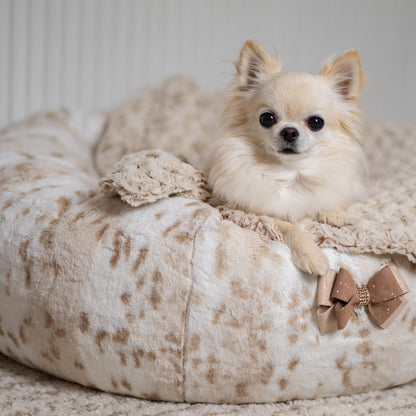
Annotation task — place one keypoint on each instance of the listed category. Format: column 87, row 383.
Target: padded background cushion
column 167, row 301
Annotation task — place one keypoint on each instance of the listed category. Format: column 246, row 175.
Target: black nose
column 289, row 134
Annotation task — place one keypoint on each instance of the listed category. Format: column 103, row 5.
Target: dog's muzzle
column 288, row 137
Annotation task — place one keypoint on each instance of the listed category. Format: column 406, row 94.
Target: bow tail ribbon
column 339, row 296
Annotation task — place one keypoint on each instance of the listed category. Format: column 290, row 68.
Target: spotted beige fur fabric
column 385, row 223
column 168, row 301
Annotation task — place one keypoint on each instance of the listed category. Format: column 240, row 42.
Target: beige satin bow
column 339, row 296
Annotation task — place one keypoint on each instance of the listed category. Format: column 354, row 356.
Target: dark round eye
column 267, row 119
column 315, row 123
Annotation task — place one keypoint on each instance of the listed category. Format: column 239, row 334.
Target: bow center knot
column 363, row 294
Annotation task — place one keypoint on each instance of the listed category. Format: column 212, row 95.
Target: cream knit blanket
column 180, row 118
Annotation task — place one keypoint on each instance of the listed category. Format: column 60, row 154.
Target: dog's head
column 292, row 114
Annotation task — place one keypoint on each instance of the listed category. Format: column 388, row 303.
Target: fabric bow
column 339, row 296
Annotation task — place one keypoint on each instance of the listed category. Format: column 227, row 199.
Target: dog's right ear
column 255, row 64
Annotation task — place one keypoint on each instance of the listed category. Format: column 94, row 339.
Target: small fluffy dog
column 290, row 146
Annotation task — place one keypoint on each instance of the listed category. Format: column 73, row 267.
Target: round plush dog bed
column 168, row 300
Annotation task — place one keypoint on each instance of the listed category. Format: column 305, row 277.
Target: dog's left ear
column 255, row 64
column 346, row 74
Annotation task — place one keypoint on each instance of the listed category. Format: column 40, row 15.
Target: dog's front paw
column 312, row 260
column 334, row 218
column 306, row 255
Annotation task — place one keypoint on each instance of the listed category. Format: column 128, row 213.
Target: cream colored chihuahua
column 290, row 146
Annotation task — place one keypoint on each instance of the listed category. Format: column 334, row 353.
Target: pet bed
column 151, row 292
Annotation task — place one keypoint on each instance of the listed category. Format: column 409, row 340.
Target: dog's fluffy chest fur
column 290, row 189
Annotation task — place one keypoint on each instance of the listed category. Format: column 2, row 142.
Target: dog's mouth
column 288, row 151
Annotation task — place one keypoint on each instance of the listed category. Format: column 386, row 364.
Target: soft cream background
column 94, row 53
